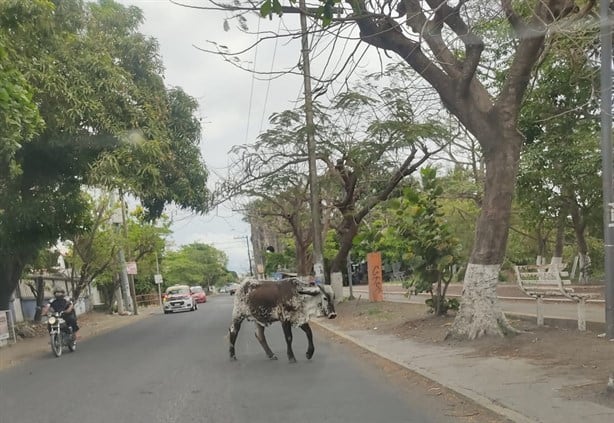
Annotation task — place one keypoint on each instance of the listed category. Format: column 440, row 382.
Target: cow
column 288, row 301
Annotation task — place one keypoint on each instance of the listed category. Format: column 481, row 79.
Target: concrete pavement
column 515, row 388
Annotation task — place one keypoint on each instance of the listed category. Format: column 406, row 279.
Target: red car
column 198, row 293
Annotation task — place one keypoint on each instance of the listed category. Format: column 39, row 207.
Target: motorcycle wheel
column 56, row 344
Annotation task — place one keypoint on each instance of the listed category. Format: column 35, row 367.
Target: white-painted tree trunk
column 480, row 312
column 585, row 269
column 336, row 282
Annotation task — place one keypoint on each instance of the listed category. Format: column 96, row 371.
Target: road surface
column 175, row 368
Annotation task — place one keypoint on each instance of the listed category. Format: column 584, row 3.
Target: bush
column 448, row 304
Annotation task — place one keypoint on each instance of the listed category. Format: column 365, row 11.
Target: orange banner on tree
column 374, row 267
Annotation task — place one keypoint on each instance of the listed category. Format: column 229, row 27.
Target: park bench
column 546, row 281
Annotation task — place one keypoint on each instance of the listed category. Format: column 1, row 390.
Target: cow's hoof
column 273, row 357
column 292, row 360
column 309, row 355
column 233, row 358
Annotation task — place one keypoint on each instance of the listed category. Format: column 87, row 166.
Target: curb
column 479, row 399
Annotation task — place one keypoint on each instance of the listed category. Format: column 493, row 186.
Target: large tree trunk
column 11, row 266
column 304, row 259
column 480, row 312
column 302, row 240
column 560, row 234
column 347, row 232
column 39, row 293
column 80, row 286
column 542, row 240
column 579, row 226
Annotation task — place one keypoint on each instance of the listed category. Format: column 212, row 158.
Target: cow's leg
column 260, row 337
column 287, row 327
column 233, row 332
column 307, row 329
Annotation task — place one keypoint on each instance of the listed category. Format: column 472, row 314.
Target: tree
column 448, row 54
column 376, row 139
column 412, row 229
column 20, row 119
column 448, row 46
column 45, row 262
column 196, row 264
column 286, row 213
column 432, row 250
column 369, row 140
column 104, row 111
column 561, row 163
column 94, row 250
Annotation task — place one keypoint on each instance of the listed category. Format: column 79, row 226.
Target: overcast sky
column 234, row 106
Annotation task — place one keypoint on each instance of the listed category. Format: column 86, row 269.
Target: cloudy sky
column 234, row 106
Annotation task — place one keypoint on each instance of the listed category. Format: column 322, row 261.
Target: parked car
column 198, row 293
column 178, row 298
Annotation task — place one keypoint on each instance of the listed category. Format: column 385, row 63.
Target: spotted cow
column 288, row 301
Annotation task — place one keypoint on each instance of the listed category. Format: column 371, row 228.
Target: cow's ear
column 308, row 290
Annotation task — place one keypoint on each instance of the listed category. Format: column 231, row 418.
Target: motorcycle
column 61, row 335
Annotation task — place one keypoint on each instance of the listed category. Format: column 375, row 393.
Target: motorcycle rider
column 62, row 304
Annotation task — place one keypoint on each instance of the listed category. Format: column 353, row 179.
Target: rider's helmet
column 59, row 293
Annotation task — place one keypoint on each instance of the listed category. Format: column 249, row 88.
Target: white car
column 178, row 298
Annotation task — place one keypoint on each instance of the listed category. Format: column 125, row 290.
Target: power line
column 266, row 95
column 251, row 91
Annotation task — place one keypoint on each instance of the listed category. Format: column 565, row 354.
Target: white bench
column 539, row 281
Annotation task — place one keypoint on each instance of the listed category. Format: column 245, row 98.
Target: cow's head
column 324, row 297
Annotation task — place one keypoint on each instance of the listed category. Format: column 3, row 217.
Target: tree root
column 470, row 329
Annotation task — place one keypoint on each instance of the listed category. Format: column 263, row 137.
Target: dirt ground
column 91, row 324
column 564, row 351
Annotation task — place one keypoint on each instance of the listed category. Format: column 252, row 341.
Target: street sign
column 158, row 279
column 131, row 267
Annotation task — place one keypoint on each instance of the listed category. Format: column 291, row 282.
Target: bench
column 540, row 281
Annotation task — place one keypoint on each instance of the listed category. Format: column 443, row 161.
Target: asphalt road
column 175, row 368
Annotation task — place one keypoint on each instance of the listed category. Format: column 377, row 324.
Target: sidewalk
column 515, row 388
column 565, row 313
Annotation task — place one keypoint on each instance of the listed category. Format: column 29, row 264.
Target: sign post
column 158, row 280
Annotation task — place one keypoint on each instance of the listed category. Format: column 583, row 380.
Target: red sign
column 374, row 267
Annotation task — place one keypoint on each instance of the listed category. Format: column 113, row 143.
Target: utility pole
column 158, row 280
column 314, row 188
column 124, row 301
column 249, row 258
column 349, row 264
column 127, row 245
column 606, row 154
